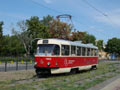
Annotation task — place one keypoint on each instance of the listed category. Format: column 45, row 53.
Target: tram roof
column 67, row 42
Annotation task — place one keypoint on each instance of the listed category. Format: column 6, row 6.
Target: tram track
column 35, row 78
column 99, row 61
column 105, row 70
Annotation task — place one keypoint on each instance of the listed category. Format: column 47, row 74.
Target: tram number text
column 71, row 61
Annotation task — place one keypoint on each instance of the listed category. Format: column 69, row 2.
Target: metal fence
column 16, row 63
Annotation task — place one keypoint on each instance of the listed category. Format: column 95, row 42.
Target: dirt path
column 17, row 75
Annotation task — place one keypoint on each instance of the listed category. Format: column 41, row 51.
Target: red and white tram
column 61, row 56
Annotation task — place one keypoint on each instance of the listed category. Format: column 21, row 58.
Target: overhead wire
column 56, row 11
column 104, row 14
column 41, row 5
column 101, row 12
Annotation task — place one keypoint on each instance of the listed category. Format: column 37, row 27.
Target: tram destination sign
column 45, row 41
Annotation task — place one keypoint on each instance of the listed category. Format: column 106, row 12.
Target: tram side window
column 56, row 50
column 78, row 51
column 88, row 51
column 73, row 50
column 96, row 52
column 92, row 53
column 65, row 50
column 83, row 51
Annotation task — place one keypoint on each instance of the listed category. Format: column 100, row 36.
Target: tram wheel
column 94, row 67
column 73, row 71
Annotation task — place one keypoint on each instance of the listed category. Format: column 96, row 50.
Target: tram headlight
column 48, row 63
column 35, row 63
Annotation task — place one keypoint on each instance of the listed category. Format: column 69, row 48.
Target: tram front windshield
column 48, row 50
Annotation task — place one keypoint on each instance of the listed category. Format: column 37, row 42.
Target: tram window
column 88, row 51
column 96, row 52
column 92, row 53
column 78, row 51
column 56, row 50
column 83, row 51
column 65, row 50
column 73, row 50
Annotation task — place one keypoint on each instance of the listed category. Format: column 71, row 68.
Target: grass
column 79, row 81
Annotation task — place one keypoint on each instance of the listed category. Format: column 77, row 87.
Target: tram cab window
column 48, row 50
column 73, row 50
column 65, row 50
column 78, row 51
column 83, row 51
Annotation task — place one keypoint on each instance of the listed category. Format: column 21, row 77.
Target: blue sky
column 84, row 18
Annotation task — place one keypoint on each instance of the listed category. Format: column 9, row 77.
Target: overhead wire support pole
column 66, row 16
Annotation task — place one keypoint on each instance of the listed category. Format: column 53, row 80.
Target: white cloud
column 112, row 19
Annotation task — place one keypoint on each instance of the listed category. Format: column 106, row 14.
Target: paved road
column 115, row 85
column 12, row 67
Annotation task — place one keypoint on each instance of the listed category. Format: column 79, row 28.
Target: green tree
column 12, row 46
column 46, row 20
column 1, row 36
column 100, row 44
column 88, row 38
column 113, row 46
column 83, row 36
column 16, row 47
column 58, row 29
column 36, row 28
column 77, row 36
column 1, row 29
column 24, row 36
column 4, row 48
column 30, row 29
